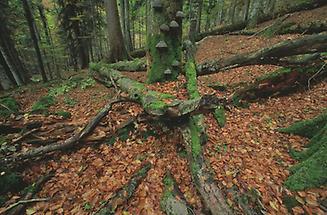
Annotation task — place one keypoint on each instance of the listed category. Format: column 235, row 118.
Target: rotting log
column 269, row 55
column 122, row 195
column 155, row 103
column 68, row 143
column 281, row 82
column 173, row 201
column 130, row 66
column 30, row 193
column 192, row 133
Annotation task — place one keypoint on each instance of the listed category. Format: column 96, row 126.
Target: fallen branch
column 155, row 103
column 23, row 202
column 68, row 143
column 122, row 195
column 18, row 207
column 269, row 55
column 24, row 135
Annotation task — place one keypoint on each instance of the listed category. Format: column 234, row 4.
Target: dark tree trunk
column 117, row 47
column 10, row 59
column 32, row 27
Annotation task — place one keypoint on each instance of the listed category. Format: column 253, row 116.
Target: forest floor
column 248, row 152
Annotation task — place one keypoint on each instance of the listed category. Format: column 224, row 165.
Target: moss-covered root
column 309, row 173
column 307, row 128
column 205, row 184
column 173, row 202
column 126, row 192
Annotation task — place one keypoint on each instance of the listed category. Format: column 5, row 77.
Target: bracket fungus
column 162, row 45
column 180, row 14
column 164, row 28
column 173, row 24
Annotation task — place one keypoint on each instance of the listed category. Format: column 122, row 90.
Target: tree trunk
column 48, row 38
column 127, row 27
column 164, row 41
column 32, row 27
column 117, row 47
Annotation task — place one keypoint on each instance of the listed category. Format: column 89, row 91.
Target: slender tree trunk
column 48, row 37
column 127, row 27
column 32, row 27
column 246, row 10
column 117, row 50
column 199, row 16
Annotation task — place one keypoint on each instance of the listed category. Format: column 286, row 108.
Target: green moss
column 134, row 65
column 43, row 104
column 290, row 202
column 192, row 87
column 3, row 199
column 8, row 106
column 274, row 74
column 63, row 114
column 162, row 60
column 309, row 173
column 307, row 128
column 220, row 116
column 10, row 182
column 70, row 102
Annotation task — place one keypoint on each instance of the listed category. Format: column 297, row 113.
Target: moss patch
column 43, row 104
column 307, row 128
column 10, row 182
column 220, row 116
column 8, row 106
column 63, row 114
column 134, row 65
column 311, row 172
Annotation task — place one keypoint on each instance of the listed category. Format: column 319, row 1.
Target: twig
column 23, row 202
column 24, row 135
column 5, row 107
column 317, row 73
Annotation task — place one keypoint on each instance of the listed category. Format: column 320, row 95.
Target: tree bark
column 117, row 46
column 194, row 137
column 32, row 28
column 164, row 41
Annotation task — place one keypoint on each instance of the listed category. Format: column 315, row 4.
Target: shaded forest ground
column 248, row 152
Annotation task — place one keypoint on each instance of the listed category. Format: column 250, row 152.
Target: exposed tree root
column 173, row 201
column 281, row 82
column 270, row 55
column 69, row 143
column 125, row 193
column 17, row 209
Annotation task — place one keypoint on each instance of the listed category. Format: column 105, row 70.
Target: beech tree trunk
column 117, row 51
column 164, row 41
column 32, row 27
